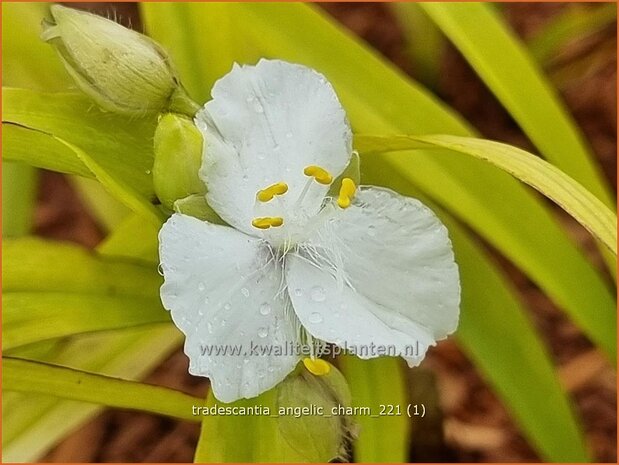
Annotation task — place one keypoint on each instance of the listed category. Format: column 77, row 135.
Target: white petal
column 265, row 124
column 223, row 289
column 382, row 272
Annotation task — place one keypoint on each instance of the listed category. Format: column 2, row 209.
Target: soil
column 477, row 428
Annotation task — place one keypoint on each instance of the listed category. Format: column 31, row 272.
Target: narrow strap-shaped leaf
column 577, row 21
column 39, row 265
column 83, row 293
column 73, row 160
column 502, row 61
column 31, row 317
column 374, row 383
column 581, row 204
column 19, row 189
column 121, row 145
column 53, row 380
column 425, row 43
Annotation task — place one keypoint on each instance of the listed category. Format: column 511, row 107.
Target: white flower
column 365, row 268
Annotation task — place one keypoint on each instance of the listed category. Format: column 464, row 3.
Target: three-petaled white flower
column 365, row 267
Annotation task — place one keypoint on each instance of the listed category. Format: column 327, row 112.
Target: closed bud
column 178, row 157
column 123, row 71
column 322, row 401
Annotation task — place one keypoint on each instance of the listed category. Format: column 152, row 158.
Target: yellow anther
column 347, row 192
column 268, row 193
column 267, row 221
column 320, row 175
column 317, row 366
column 276, row 221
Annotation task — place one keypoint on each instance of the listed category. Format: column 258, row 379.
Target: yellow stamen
column 267, row 221
column 320, row 175
column 347, row 192
column 317, row 366
column 268, row 193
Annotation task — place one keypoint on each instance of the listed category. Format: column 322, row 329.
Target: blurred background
column 475, row 425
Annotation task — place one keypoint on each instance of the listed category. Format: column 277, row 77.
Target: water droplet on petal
column 315, row 318
column 265, row 309
column 263, row 332
column 227, row 306
column 245, row 292
column 298, row 292
column 201, row 287
column 371, row 230
column 318, row 294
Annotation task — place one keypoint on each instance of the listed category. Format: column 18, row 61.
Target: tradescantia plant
column 250, row 202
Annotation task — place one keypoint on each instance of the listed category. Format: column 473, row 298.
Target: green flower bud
column 178, row 157
column 321, row 432
column 123, row 71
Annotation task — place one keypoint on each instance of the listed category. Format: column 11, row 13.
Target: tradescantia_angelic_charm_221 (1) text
column 307, row 257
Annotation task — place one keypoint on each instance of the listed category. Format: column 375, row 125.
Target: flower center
column 273, row 210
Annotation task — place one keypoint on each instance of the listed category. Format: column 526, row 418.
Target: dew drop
column 289, row 135
column 227, row 306
column 201, row 287
column 245, row 292
column 148, row 171
column 318, row 294
column 263, row 332
column 371, row 230
column 298, row 292
column 258, row 107
column 315, row 318
column 265, row 309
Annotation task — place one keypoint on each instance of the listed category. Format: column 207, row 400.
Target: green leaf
column 19, row 189
column 425, row 43
column 133, row 239
column 503, row 344
column 583, row 206
column 576, row 22
column 502, row 61
column 33, row 423
column 106, row 209
column 31, row 317
column 42, row 302
column 115, row 150
column 246, row 438
column 42, row 378
column 32, row 264
column 374, row 383
column 27, row 60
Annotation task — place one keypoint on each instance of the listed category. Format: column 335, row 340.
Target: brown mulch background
column 477, row 427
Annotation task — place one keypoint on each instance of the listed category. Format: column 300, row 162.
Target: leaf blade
column 43, row 378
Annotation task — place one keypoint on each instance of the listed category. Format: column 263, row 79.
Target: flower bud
column 178, row 157
column 321, row 401
column 123, row 71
